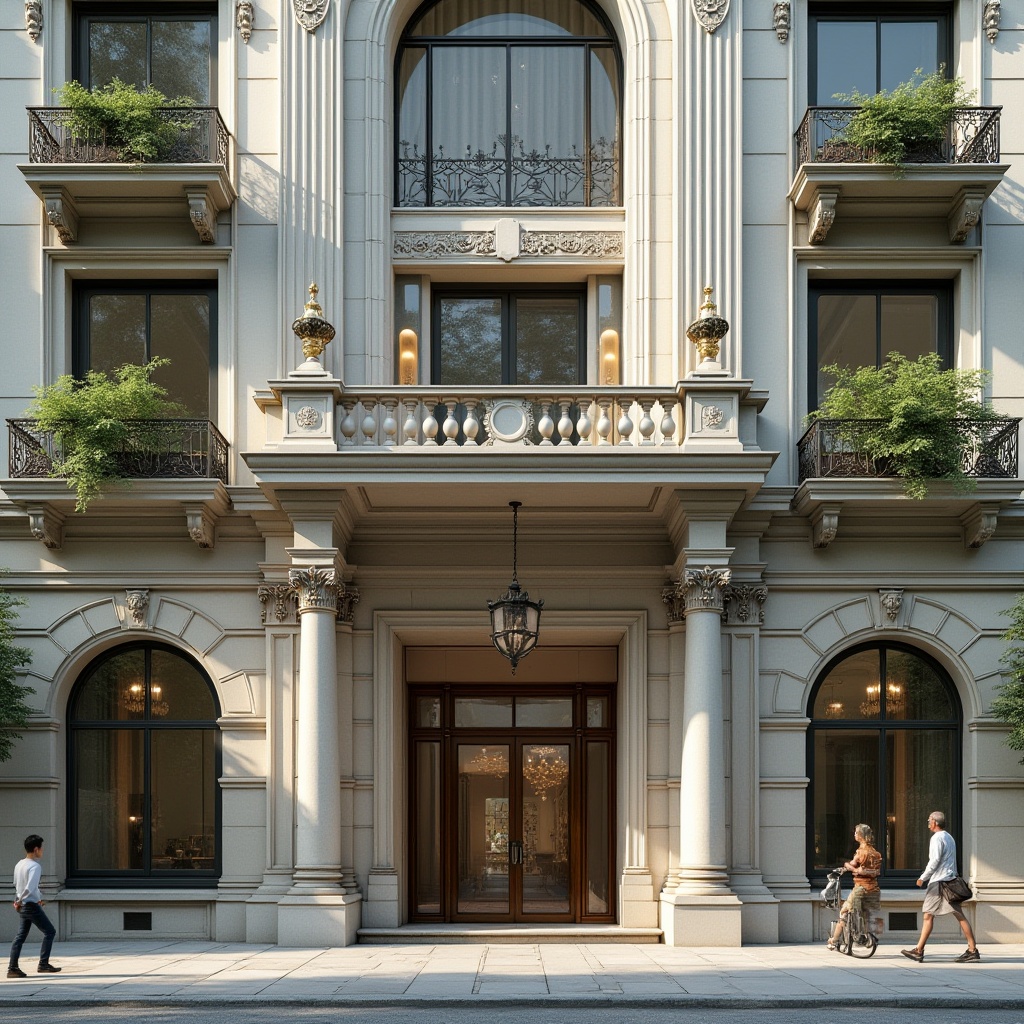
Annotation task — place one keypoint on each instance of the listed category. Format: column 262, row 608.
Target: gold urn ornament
column 312, row 329
column 708, row 330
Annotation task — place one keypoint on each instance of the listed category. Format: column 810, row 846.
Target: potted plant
column 14, row 710
column 908, row 122
column 1008, row 707
column 912, row 418
column 91, row 423
column 124, row 119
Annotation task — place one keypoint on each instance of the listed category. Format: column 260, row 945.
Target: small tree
column 1008, row 707
column 923, row 416
column 14, row 711
column 90, row 422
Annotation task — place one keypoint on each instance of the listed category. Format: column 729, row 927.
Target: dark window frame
column 86, row 289
column 428, row 43
column 508, row 295
column 941, row 13
column 145, row 877
column 889, row 878
column 83, row 13
column 941, row 288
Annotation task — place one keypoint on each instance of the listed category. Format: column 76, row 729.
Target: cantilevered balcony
column 948, row 180
column 80, row 177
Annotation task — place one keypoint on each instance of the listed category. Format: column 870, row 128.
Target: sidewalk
column 181, row 973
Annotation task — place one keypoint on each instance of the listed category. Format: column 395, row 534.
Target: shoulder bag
column 955, row 890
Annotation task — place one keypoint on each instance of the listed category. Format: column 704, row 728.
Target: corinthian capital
column 315, row 588
column 704, row 589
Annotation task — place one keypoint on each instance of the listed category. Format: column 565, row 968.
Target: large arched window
column 143, row 764
column 884, row 749
column 507, row 103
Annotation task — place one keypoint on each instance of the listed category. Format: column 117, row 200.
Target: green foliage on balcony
column 14, row 710
column 1008, row 707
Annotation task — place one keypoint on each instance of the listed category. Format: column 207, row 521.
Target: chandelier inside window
column 134, row 699
column 835, row 707
column 495, row 764
column 544, row 769
column 515, row 619
column 895, row 700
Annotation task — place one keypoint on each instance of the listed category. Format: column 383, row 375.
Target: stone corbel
column 61, row 213
column 46, row 525
column 202, row 525
column 244, row 14
column 780, row 18
column 979, row 523
column 821, row 217
column 34, row 18
column 137, row 603
column 965, row 214
column 891, row 600
column 825, row 525
column 990, row 19
column 203, row 214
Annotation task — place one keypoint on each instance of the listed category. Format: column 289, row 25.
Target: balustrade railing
column 151, row 449
column 972, row 138
column 510, row 417
column 830, row 448
column 193, row 135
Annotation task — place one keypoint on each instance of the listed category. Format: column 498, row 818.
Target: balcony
column 86, row 177
column 949, row 181
column 172, row 464
column 837, row 476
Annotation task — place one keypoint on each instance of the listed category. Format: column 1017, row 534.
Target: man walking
column 941, row 868
column 28, row 902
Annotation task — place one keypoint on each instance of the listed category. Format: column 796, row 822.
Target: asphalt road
column 492, row 1015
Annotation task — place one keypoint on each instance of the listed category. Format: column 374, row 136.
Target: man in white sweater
column 28, row 902
column 941, row 868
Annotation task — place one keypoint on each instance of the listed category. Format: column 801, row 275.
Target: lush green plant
column 915, row 115
column 919, row 408
column 89, row 420
column 125, row 117
column 14, row 711
column 1008, row 707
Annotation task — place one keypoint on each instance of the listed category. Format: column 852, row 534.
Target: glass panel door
column 544, row 862
column 483, row 831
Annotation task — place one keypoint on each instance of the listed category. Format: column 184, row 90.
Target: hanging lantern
column 515, row 619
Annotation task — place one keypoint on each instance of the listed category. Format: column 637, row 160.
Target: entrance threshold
column 441, row 934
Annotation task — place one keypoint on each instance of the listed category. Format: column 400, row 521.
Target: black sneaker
column 968, row 956
column 16, row 972
column 913, row 954
column 47, row 969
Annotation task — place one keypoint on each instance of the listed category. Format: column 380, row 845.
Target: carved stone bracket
column 990, row 19
column 46, row 525
column 34, row 18
column 891, row 600
column 203, row 214
column 825, row 525
column 310, row 14
column 672, row 597
column 508, row 243
column 284, row 597
column 744, row 603
column 979, row 523
column 244, row 14
column 821, row 217
column 137, row 603
column 704, row 589
column 202, row 525
column 348, row 598
column 710, row 13
column 965, row 214
column 780, row 18
column 61, row 212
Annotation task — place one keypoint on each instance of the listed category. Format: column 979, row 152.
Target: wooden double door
column 512, row 815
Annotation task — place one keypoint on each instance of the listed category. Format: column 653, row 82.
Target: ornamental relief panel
column 433, row 245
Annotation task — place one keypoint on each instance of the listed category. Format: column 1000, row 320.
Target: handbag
column 955, row 890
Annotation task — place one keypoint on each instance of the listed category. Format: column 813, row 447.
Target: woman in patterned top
column 866, row 865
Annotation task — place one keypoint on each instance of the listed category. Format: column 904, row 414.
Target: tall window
column 858, row 323
column 132, row 322
column 869, row 47
column 143, row 764
column 883, row 748
column 170, row 46
column 507, row 104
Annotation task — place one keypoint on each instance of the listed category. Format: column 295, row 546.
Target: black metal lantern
column 515, row 619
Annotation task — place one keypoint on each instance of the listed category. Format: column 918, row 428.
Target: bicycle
column 856, row 938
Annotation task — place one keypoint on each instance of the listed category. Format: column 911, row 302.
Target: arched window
column 884, row 749
column 143, row 764
column 507, row 103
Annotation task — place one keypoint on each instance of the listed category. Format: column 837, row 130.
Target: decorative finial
column 312, row 329
column 708, row 330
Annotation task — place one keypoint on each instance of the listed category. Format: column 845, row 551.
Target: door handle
column 515, row 852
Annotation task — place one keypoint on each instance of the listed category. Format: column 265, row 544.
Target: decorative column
column 703, row 910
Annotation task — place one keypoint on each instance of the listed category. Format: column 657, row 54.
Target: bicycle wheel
column 860, row 943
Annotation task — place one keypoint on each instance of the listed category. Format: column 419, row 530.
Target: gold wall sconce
column 408, row 357
column 610, row 357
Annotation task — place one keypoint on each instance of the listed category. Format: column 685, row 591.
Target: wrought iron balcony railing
column 830, row 448
column 153, row 449
column 196, row 135
column 972, row 138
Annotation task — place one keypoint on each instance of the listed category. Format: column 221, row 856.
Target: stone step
column 440, row 934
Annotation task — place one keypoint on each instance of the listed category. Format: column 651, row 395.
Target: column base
column 760, row 908
column 689, row 920
column 318, row 919
column 638, row 906
column 382, row 908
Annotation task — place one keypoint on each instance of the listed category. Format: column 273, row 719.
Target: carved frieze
column 710, row 13
column 744, row 603
column 433, row 245
column 780, row 19
column 34, row 18
column 600, row 245
column 310, row 14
